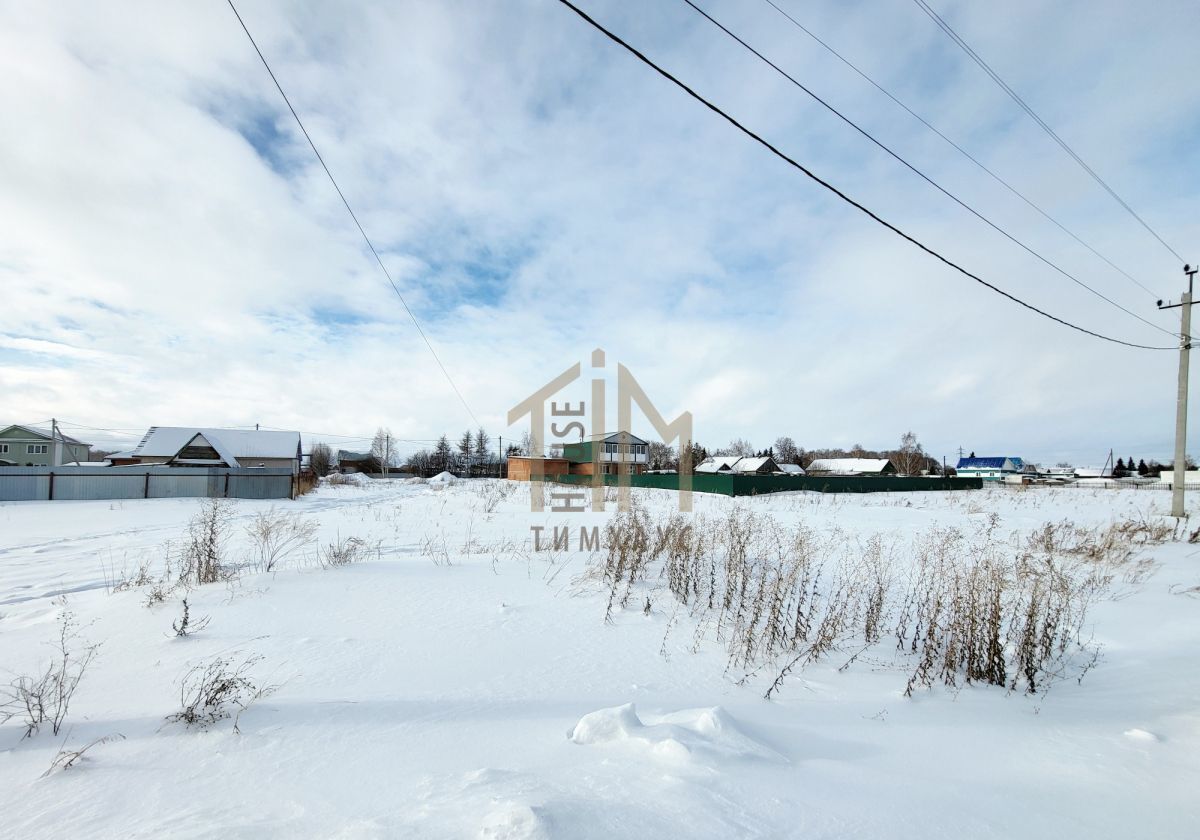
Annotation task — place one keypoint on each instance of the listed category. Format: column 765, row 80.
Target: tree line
column 474, row 455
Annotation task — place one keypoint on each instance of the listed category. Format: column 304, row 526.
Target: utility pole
column 1181, row 396
column 55, row 446
column 387, row 453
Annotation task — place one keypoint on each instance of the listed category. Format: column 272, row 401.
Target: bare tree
column 661, row 456
column 909, row 459
column 786, row 451
column 382, row 449
column 320, row 459
column 421, row 462
column 738, row 446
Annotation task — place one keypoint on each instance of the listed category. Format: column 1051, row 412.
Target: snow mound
column 678, row 736
column 443, row 478
column 1141, row 735
column 513, row 821
column 347, row 479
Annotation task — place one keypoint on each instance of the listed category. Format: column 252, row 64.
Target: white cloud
column 536, row 193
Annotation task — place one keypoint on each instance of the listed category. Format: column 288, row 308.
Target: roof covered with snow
column 849, row 465
column 718, row 463
column 232, row 445
column 990, row 463
column 749, row 465
column 791, row 469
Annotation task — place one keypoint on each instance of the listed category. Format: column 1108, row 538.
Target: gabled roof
column 618, row 437
column 43, row 435
column 849, row 465
column 233, row 445
column 791, row 469
column 990, row 463
column 718, row 463
column 745, row 465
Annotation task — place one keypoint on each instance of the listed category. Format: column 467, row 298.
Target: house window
column 3, row 448
column 35, row 449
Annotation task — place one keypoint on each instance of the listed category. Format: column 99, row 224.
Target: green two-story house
column 24, row 446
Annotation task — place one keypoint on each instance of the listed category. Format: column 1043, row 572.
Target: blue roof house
column 990, row 469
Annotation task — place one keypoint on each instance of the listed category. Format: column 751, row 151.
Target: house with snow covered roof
column 742, row 465
column 718, row 464
column 25, row 446
column 761, row 465
column 993, row 468
column 189, row 446
column 851, row 466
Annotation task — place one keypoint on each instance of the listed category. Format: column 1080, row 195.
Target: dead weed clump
column 202, row 559
column 45, row 698
column 219, row 689
column 966, row 608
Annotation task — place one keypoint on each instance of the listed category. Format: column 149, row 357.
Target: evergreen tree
column 1142, row 468
column 465, row 445
column 443, row 454
column 483, row 445
column 1119, row 469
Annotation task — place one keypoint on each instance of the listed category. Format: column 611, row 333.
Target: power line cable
column 983, row 65
column 959, row 148
column 350, row 210
column 922, row 175
column 828, row 186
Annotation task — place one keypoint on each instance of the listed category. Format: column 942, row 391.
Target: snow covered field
column 458, row 684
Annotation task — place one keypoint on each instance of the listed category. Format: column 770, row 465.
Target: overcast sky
column 172, row 254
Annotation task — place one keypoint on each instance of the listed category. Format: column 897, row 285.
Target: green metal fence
column 754, row 485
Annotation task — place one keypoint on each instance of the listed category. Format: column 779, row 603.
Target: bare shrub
column 339, row 480
column 276, row 534
column 972, row 608
column 134, row 580
column 66, row 759
column 437, row 549
column 495, row 492
column 343, row 552
column 46, row 698
column 203, row 555
column 217, row 690
column 185, row 626
column 629, row 545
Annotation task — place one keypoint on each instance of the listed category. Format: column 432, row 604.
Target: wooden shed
column 520, row 467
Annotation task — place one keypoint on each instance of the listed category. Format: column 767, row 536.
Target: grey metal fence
column 29, row 484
